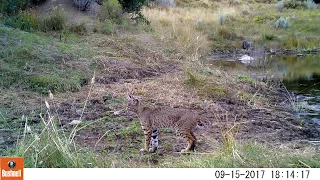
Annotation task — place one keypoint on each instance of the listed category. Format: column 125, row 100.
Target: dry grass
column 194, row 29
column 184, row 26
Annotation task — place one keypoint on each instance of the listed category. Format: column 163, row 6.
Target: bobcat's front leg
column 154, row 140
column 147, row 139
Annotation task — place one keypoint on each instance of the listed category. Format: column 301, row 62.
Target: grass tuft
column 38, row 63
column 55, row 21
column 281, row 23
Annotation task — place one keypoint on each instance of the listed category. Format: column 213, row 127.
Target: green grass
column 46, row 153
column 250, row 155
column 40, row 64
column 48, row 145
column 304, row 26
column 134, row 129
column 245, row 79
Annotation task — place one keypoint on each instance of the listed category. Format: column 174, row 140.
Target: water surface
column 300, row 74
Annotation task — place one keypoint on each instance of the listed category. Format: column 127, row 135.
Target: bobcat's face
column 132, row 103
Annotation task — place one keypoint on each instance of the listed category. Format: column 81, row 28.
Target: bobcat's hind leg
column 190, row 138
column 193, row 145
column 154, row 140
column 147, row 138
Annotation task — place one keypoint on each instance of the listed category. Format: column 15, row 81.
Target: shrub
column 133, row 6
column 226, row 34
column 280, row 6
column 26, row 21
column 107, row 27
column 268, row 37
column 111, row 10
column 12, row 7
column 55, row 21
column 166, row 3
column 310, row 4
column 281, row 23
column 258, row 19
column 79, row 28
column 82, row 4
column 294, row 4
column 221, row 18
column 291, row 42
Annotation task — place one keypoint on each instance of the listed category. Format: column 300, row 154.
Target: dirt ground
column 160, row 85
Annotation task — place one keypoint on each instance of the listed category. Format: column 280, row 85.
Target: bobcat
column 182, row 120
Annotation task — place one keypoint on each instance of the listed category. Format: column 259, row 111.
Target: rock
column 246, row 58
column 94, row 8
column 247, row 45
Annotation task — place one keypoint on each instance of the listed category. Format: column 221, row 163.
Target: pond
column 300, row 75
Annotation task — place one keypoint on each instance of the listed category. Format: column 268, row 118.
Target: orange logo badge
column 11, row 168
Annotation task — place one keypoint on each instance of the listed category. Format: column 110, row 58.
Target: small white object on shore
column 246, row 59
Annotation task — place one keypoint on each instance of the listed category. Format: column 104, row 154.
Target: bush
column 54, row 22
column 12, row 7
column 166, row 3
column 111, row 9
column 133, row 6
column 294, row 4
column 107, row 27
column 221, row 18
column 280, row 6
column 26, row 21
column 268, row 37
column 79, row 28
column 310, row 4
column 281, row 23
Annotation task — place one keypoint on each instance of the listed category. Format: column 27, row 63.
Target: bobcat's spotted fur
column 182, row 120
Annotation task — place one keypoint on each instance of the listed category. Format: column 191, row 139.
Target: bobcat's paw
column 185, row 151
column 143, row 150
column 152, row 150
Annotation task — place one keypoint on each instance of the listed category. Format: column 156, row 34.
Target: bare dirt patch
column 113, row 71
column 123, row 133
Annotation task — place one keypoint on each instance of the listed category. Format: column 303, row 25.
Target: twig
column 196, row 153
column 304, row 164
column 100, row 140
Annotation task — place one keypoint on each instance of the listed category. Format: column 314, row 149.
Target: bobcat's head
column 133, row 103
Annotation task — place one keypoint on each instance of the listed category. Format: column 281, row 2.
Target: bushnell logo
column 11, row 168
column 12, row 164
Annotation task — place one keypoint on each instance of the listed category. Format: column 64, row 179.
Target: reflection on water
column 300, row 74
column 293, row 68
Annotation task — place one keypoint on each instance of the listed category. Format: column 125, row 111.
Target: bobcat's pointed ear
column 132, row 98
column 129, row 97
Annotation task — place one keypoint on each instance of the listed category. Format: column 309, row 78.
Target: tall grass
column 177, row 27
column 55, row 21
column 229, row 135
column 51, row 145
